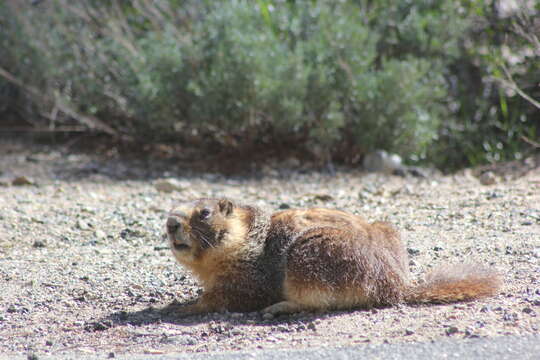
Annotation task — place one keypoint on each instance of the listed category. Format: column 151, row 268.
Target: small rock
column 488, row 178
column 102, row 325
column 323, row 197
column 130, row 234
column 470, row 334
column 32, row 356
column 510, row 316
column 528, row 310
column 22, row 181
column 438, row 248
column 417, row 172
column 311, row 326
column 408, row 332
column 111, row 355
column 268, row 316
column 493, row 195
column 38, row 244
column 169, row 185
column 48, row 342
column 284, row 206
column 179, row 340
column 381, row 161
column 100, row 234
column 282, row 328
column 82, row 225
column 413, row 251
column 451, row 330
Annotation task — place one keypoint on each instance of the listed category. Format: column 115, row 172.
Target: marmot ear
column 225, row 206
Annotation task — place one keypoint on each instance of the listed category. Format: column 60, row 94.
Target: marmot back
column 305, row 260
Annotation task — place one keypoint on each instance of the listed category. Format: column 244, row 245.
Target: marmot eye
column 204, row 214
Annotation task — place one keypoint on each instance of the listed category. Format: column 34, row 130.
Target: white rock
column 169, row 185
column 83, row 225
column 488, row 178
column 381, row 161
column 100, row 234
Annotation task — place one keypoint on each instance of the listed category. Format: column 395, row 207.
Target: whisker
column 202, row 236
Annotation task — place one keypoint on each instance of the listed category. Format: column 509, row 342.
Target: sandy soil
column 85, row 268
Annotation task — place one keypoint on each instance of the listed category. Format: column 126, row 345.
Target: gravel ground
column 85, row 268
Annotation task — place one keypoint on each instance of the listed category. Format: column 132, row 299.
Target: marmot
column 305, row 260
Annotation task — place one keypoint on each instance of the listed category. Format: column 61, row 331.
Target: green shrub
column 491, row 122
column 344, row 76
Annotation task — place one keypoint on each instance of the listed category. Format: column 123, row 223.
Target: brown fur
column 306, row 259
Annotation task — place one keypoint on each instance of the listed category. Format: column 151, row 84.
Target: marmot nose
column 173, row 224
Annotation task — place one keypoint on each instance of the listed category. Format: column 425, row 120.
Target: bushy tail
column 453, row 283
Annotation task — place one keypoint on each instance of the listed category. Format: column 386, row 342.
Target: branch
column 510, row 83
column 88, row 120
column 531, row 142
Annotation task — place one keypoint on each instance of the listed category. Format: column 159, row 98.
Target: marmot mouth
column 181, row 247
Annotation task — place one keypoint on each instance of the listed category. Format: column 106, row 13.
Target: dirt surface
column 85, row 268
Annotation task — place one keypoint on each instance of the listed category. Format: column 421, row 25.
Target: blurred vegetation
column 450, row 82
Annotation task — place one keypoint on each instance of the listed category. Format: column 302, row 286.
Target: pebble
column 82, row 225
column 451, row 330
column 488, row 178
column 408, row 332
column 185, row 340
column 38, row 244
column 323, row 197
column 100, row 234
column 282, row 328
column 169, row 185
column 510, row 316
column 528, row 310
column 102, row 325
column 22, row 181
column 267, row 316
column 383, row 162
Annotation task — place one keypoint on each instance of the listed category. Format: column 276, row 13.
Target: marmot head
column 203, row 226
